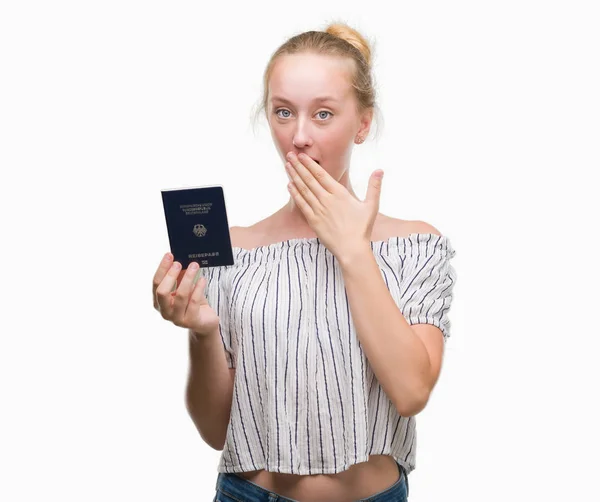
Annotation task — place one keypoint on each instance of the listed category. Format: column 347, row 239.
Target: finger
column 163, row 291
column 181, row 296
column 313, row 174
column 179, row 278
column 302, row 204
column 374, row 188
column 304, row 190
column 159, row 275
column 302, row 176
column 197, row 298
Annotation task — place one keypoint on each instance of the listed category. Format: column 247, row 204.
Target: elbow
column 215, row 446
column 216, row 443
column 213, row 438
column 412, row 407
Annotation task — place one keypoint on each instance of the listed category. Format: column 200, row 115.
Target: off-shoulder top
column 305, row 399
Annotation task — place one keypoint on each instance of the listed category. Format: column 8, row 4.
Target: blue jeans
column 232, row 488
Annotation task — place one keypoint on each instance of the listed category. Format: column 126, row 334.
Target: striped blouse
column 305, row 399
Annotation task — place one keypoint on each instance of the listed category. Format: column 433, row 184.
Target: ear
column 365, row 123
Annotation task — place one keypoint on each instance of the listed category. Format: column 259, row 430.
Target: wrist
column 197, row 337
column 355, row 256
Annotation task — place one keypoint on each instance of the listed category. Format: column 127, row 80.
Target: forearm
column 209, row 389
column 396, row 354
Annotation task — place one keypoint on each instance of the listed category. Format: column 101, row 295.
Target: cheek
column 280, row 142
column 279, row 136
column 337, row 151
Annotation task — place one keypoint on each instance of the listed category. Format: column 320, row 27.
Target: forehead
column 308, row 74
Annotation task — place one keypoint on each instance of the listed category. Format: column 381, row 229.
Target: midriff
column 359, row 481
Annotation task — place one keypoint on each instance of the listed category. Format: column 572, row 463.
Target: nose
column 301, row 141
column 302, row 138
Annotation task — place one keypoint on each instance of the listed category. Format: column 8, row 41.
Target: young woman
column 312, row 354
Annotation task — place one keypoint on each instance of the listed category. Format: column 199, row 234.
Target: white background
column 491, row 134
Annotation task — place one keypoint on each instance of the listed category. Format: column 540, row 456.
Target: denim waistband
column 244, row 490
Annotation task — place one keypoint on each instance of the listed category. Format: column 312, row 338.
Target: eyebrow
column 320, row 99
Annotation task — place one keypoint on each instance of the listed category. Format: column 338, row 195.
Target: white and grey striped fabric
column 305, row 399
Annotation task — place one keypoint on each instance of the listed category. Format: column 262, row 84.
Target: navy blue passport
column 197, row 225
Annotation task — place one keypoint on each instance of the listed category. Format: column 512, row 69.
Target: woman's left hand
column 342, row 223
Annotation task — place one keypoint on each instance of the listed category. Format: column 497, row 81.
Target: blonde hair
column 340, row 40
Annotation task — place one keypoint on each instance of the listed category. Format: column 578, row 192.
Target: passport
column 197, row 225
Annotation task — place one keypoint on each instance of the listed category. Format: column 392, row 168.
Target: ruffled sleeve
column 428, row 279
column 217, row 292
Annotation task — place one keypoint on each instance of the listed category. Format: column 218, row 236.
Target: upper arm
column 433, row 340
column 431, row 336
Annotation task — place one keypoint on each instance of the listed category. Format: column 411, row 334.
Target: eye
column 281, row 110
column 285, row 110
column 324, row 111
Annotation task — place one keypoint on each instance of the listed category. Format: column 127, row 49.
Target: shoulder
column 403, row 228
column 422, row 227
column 237, row 236
column 440, row 247
column 246, row 237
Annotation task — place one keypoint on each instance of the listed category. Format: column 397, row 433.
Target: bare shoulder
column 395, row 227
column 242, row 237
column 236, row 235
column 403, row 228
column 422, row 227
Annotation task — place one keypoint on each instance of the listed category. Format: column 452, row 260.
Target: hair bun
column 353, row 37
